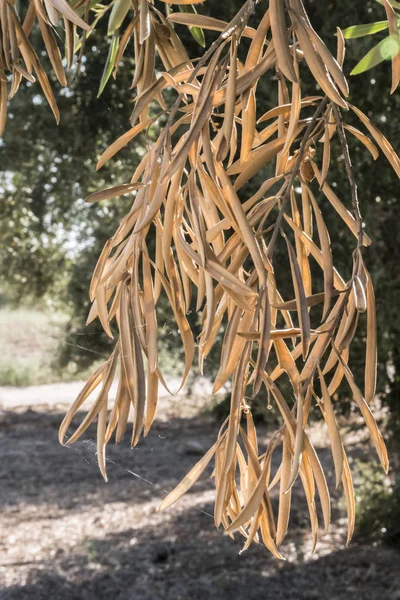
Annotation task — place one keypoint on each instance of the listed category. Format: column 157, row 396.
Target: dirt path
column 65, row 534
column 62, row 394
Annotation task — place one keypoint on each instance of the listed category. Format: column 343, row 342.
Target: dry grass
column 29, row 339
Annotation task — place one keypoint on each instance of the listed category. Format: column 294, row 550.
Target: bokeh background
column 65, row 531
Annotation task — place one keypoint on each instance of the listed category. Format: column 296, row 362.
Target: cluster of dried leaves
column 18, row 58
column 216, row 244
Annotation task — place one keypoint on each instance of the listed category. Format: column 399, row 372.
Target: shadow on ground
column 176, row 562
column 68, row 535
column 36, row 469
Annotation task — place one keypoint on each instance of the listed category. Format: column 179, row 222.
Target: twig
column 350, row 175
column 294, row 173
column 247, row 11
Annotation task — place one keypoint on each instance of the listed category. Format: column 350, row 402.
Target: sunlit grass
column 29, row 339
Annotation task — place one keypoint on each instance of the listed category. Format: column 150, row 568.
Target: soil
column 66, row 534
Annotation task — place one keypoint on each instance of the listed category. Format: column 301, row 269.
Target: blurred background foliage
column 50, row 239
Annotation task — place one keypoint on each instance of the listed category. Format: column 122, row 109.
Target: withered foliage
column 18, row 58
column 215, row 243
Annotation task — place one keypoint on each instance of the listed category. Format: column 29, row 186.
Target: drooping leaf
column 110, row 62
column 197, row 32
column 356, row 31
column 387, row 49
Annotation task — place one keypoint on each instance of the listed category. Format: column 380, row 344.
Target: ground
column 66, row 534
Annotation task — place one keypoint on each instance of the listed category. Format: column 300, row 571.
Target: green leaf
column 196, row 32
column 391, row 2
column 117, row 15
column 385, row 50
column 356, row 31
column 108, row 67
